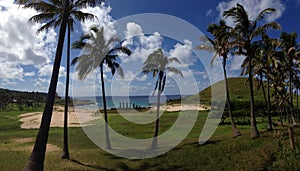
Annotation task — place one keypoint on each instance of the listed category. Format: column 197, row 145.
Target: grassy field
column 269, row 152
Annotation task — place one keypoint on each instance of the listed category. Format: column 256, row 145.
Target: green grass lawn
column 221, row 152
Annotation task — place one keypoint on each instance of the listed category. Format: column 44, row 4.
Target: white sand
column 85, row 116
column 185, row 107
column 33, row 120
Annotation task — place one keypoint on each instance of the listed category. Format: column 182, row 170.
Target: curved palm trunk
column 107, row 140
column 154, row 142
column 235, row 131
column 37, row 157
column 254, row 131
column 65, row 152
column 270, row 127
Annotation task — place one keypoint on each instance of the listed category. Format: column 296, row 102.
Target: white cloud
column 47, row 71
column 103, row 20
column 210, row 13
column 236, row 62
column 29, row 74
column 10, row 71
column 253, row 8
column 133, row 29
column 142, row 45
column 183, row 52
column 19, row 44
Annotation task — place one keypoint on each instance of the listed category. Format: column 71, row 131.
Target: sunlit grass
column 221, row 152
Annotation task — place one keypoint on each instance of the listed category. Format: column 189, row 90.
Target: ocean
column 127, row 102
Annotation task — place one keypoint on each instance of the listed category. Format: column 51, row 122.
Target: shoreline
column 80, row 117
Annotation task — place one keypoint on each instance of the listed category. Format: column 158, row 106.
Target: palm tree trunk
column 37, row 157
column 291, row 93
column 154, row 142
column 65, row 153
column 263, row 90
column 298, row 104
column 280, row 113
column 235, row 131
column 254, row 131
column 270, row 127
column 107, row 140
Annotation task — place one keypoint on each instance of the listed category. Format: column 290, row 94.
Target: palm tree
column 266, row 54
column 37, row 157
column 99, row 52
column 289, row 49
column 158, row 64
column 51, row 14
column 246, row 31
column 221, row 45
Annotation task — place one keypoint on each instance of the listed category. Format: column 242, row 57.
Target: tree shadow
column 90, row 166
column 206, row 143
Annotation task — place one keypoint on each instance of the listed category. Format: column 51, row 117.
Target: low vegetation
column 269, row 152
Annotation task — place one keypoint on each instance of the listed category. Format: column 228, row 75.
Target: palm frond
column 119, row 69
column 263, row 13
column 74, row 61
column 82, row 17
column 172, row 60
column 175, row 71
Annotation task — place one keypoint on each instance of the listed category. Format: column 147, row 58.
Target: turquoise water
column 128, row 102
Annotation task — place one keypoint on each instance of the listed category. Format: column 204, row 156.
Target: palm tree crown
column 51, row 13
column 98, row 51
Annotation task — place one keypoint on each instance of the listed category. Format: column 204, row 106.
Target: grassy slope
column 238, row 90
column 221, row 152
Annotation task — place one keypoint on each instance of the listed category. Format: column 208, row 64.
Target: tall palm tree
column 246, row 31
column 37, row 157
column 221, row 45
column 289, row 49
column 266, row 55
column 51, row 14
column 99, row 51
column 158, row 64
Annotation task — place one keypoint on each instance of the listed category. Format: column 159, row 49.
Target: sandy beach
column 33, row 119
column 85, row 116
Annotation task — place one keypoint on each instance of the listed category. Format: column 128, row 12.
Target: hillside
column 238, row 90
column 10, row 96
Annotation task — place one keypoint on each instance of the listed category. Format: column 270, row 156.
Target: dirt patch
column 24, row 140
column 50, row 148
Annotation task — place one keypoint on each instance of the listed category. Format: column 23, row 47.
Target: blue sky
column 26, row 58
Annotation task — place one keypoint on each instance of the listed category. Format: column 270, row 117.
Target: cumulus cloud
column 253, row 8
column 183, row 52
column 133, row 29
column 103, row 19
column 29, row 74
column 19, row 43
column 10, row 71
column 236, row 62
column 47, row 71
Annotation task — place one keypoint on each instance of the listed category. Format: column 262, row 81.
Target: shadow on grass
column 90, row 166
column 206, row 143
